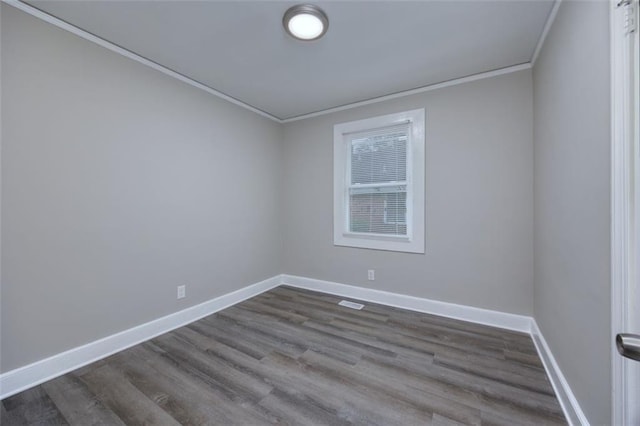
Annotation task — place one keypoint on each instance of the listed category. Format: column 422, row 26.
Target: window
column 379, row 182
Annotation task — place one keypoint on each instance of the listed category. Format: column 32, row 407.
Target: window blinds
column 378, row 180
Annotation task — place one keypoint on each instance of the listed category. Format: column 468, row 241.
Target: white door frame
column 625, row 209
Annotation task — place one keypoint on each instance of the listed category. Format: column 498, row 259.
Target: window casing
column 379, row 182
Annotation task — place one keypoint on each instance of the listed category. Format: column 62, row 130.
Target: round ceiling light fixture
column 305, row 22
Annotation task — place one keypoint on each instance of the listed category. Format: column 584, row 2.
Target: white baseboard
column 31, row 375
column 572, row 410
column 450, row 310
column 23, row 378
column 522, row 323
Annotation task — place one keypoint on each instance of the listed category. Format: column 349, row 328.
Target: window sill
column 371, row 236
column 379, row 242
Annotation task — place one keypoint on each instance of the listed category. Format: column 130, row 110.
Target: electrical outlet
column 182, row 291
column 371, row 275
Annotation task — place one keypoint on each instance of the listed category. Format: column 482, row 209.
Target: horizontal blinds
column 380, row 155
column 378, row 213
column 378, row 187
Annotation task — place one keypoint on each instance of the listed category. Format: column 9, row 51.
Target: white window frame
column 625, row 207
column 414, row 241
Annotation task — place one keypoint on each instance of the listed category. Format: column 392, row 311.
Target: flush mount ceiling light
column 305, row 22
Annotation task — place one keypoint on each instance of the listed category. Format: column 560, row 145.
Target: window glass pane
column 379, row 157
column 378, row 210
column 395, row 208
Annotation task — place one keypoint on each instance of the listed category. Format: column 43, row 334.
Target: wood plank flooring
column 295, row 357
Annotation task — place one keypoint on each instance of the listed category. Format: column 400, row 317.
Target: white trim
column 504, row 320
column 441, row 85
column 31, row 375
column 1, row 186
column 23, row 378
column 545, row 31
column 624, row 374
column 521, row 323
column 572, row 410
column 124, row 52
column 128, row 54
column 413, row 242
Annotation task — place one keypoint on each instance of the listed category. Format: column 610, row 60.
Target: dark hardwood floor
column 295, row 357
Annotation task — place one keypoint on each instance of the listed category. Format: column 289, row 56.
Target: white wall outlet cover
column 182, row 291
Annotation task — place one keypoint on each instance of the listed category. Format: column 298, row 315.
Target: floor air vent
column 351, row 305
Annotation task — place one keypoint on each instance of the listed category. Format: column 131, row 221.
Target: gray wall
column 572, row 189
column 120, row 183
column 479, row 199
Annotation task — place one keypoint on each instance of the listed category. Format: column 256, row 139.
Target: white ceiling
column 372, row 48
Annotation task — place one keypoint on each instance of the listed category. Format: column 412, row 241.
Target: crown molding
column 423, row 89
column 545, row 31
column 37, row 13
